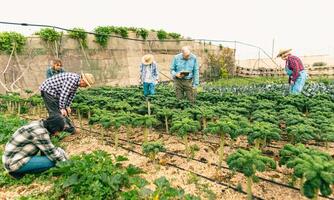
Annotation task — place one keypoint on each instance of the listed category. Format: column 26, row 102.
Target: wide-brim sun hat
column 88, row 78
column 282, row 52
column 147, row 59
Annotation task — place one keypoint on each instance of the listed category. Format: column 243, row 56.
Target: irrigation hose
column 186, row 170
column 212, row 164
column 215, row 165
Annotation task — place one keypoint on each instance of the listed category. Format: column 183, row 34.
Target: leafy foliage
column 162, row 35
column 174, row 35
column 263, row 132
column 318, row 174
column 301, row 133
column 10, row 41
column 185, row 126
column 151, row 149
column 8, row 125
column 249, row 162
column 143, row 33
column 80, row 35
column 49, row 35
column 108, row 180
column 102, row 35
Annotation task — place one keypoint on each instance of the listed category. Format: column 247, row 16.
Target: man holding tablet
column 185, row 72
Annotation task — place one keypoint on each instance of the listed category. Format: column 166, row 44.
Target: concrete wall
column 118, row 64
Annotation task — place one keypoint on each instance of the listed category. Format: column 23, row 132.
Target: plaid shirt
column 295, row 65
column 62, row 86
column 153, row 69
column 26, row 142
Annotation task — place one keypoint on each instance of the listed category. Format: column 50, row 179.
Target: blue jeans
column 298, row 85
column 35, row 165
column 149, row 88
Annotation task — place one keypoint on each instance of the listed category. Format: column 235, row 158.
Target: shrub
column 49, row 35
column 80, row 35
column 11, row 40
column 162, row 35
column 102, row 35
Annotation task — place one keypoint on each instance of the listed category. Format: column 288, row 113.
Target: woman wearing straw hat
column 295, row 70
column 149, row 74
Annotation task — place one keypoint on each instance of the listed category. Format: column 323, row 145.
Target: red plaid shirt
column 295, row 65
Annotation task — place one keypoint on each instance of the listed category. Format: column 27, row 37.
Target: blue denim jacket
column 180, row 64
column 153, row 69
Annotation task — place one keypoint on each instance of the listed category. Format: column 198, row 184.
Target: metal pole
column 258, row 59
column 272, row 49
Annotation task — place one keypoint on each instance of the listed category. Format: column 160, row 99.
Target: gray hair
column 186, row 50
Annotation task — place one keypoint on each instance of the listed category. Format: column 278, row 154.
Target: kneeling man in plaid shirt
column 58, row 93
column 30, row 149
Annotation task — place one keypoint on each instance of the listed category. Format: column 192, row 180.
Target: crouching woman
column 30, row 149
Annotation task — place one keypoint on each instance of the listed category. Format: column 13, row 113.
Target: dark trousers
column 183, row 88
column 52, row 105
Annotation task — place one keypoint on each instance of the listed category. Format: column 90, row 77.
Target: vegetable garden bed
column 199, row 138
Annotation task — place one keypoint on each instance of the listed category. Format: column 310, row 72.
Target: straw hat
column 88, row 78
column 282, row 52
column 147, row 59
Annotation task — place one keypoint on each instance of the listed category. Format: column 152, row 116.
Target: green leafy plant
column 151, row 149
column 301, row 133
column 327, row 134
column 11, row 42
column 318, row 64
column 49, row 35
column 162, row 35
column 206, row 114
column 146, row 121
column 262, row 133
column 165, row 191
column 183, row 128
column 317, row 172
column 14, row 103
column 143, row 33
column 123, row 31
column 193, row 149
column 264, row 116
column 174, row 35
column 80, row 35
column 222, row 127
column 94, row 176
column 117, row 122
column 8, row 125
column 102, row 35
column 289, row 153
column 166, row 114
column 248, row 163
